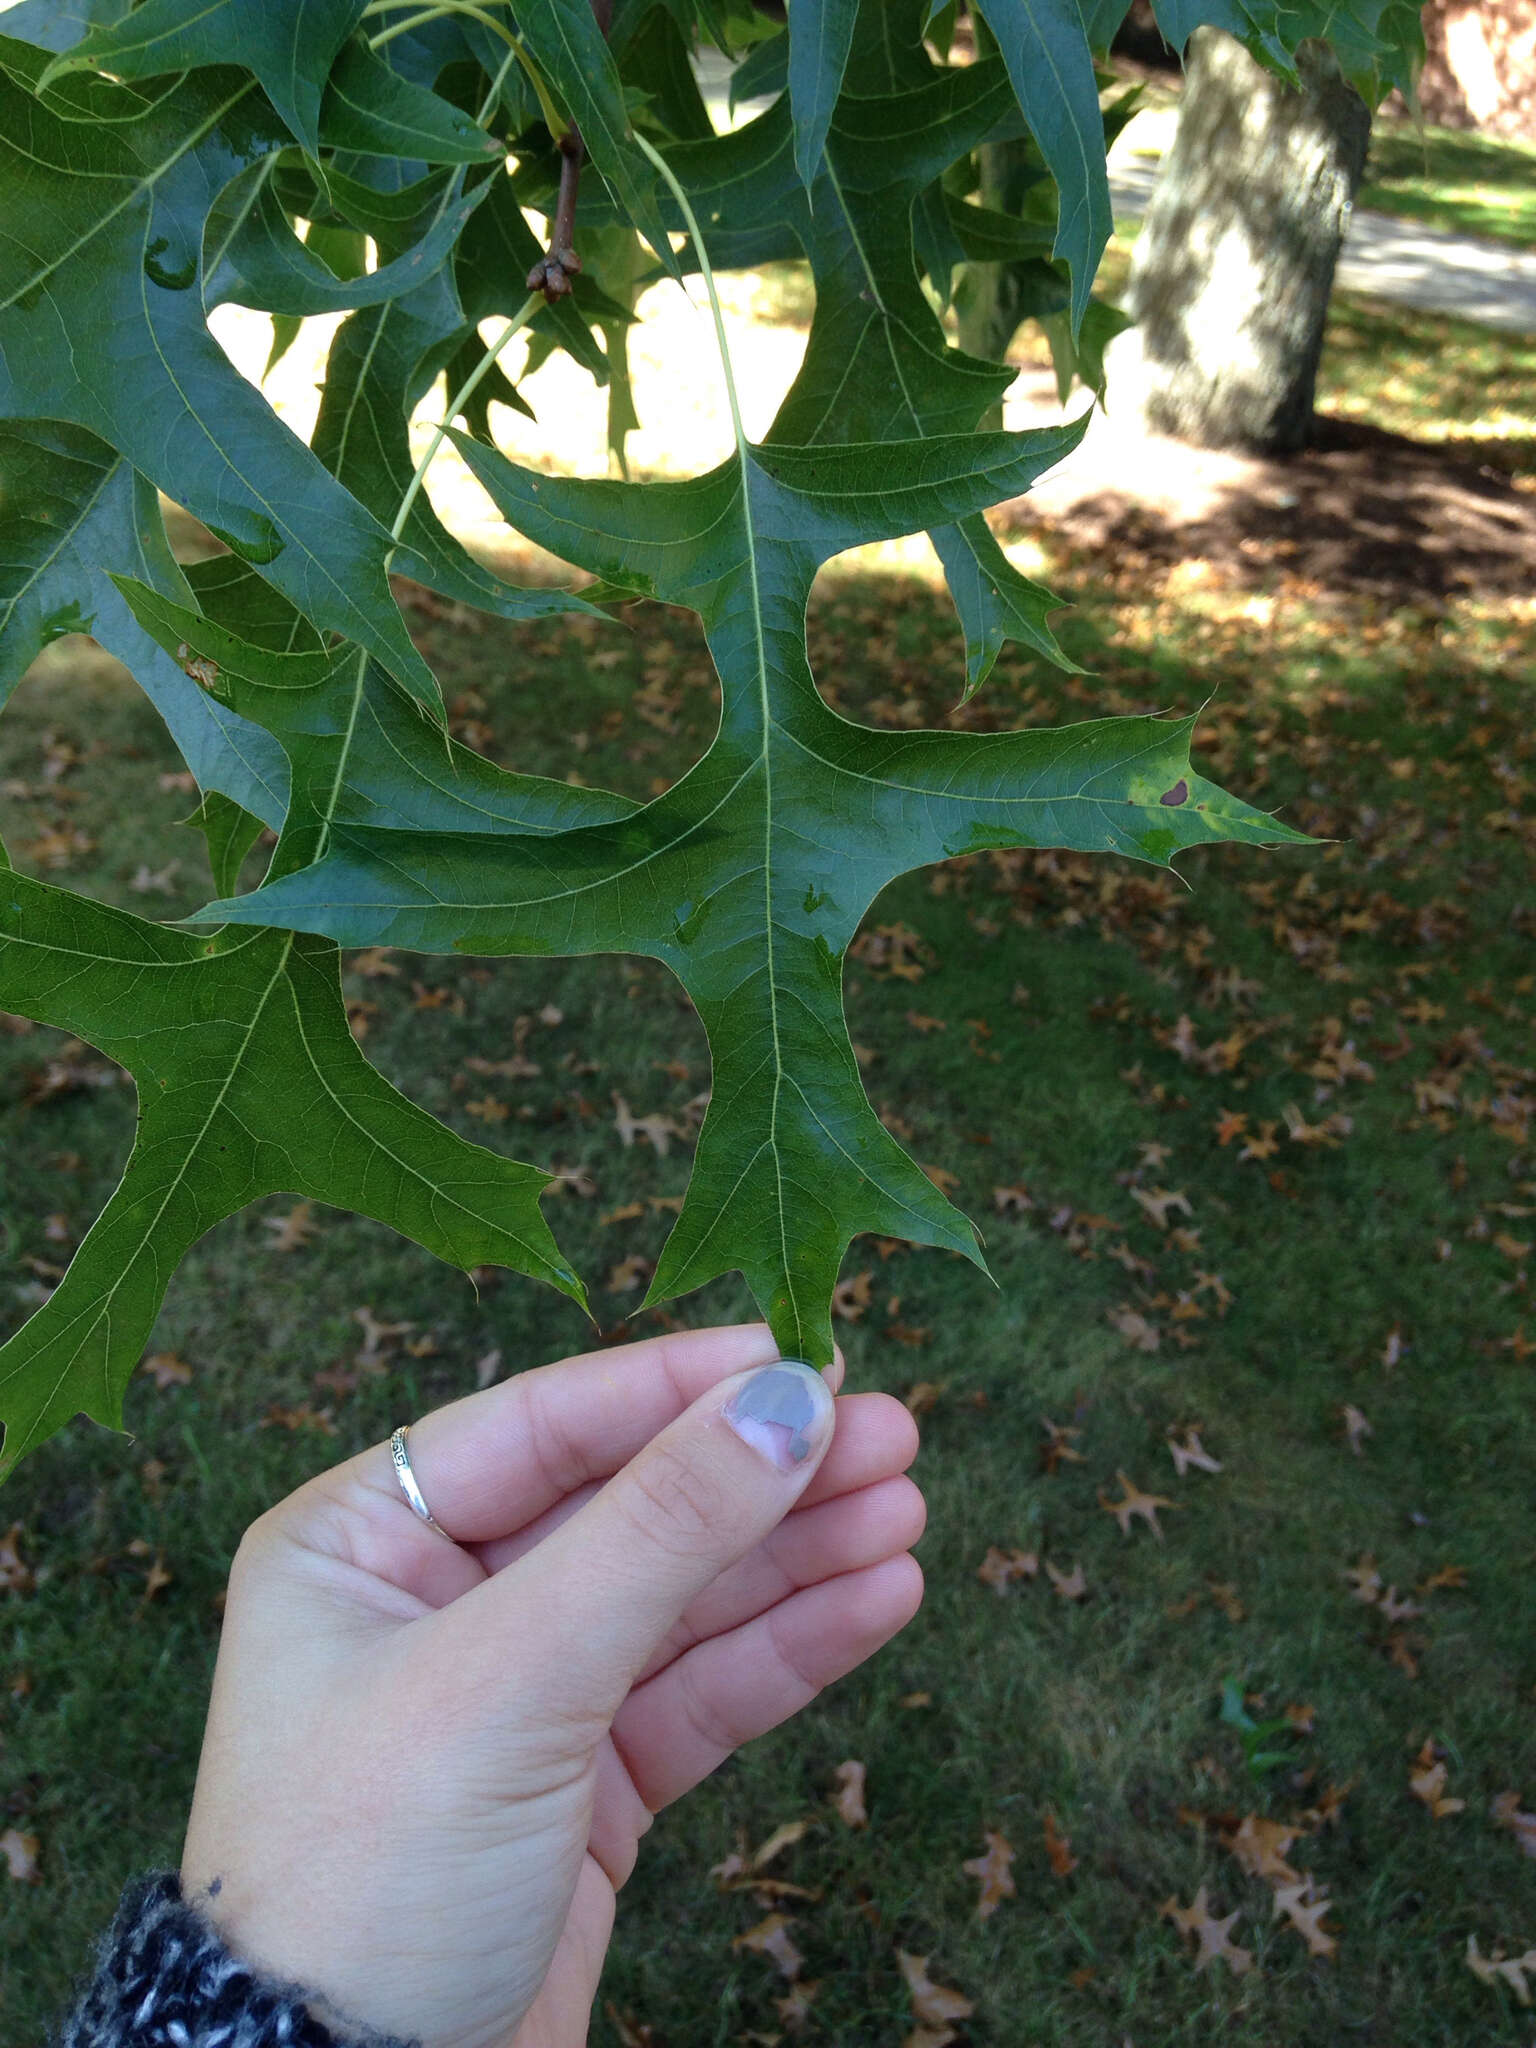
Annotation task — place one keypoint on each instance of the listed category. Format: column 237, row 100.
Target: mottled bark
column 1235, row 261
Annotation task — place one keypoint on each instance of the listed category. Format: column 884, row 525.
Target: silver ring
column 407, row 1479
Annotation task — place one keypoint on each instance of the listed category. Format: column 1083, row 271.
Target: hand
column 430, row 1758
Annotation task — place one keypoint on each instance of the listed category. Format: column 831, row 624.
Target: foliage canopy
column 158, row 162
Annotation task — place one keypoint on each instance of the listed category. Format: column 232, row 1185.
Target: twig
column 554, row 270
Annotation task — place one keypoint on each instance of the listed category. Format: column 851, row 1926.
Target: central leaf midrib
column 766, row 724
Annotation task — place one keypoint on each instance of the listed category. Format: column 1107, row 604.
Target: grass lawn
column 1449, row 178
column 1253, row 1158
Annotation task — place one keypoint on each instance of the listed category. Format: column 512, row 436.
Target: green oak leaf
column 249, row 1084
column 359, row 752
column 229, row 834
column 371, row 110
column 380, row 363
column 572, row 52
column 104, row 195
column 820, row 37
column 60, row 24
column 877, row 364
column 1045, row 47
column 289, row 45
column 1379, row 43
column 252, row 257
column 749, row 877
column 654, row 56
column 72, row 511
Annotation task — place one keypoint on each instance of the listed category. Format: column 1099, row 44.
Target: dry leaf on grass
column 848, row 1798
column 850, row 1297
column 794, row 2007
column 993, row 1872
column 1505, row 1813
column 1212, row 1935
column 1261, row 1846
column 1426, row 1781
column 1356, row 1428
column 1000, row 1568
column 1188, row 1450
column 292, row 1232
column 1303, row 1913
column 1159, row 1203
column 20, row 1852
column 1057, row 1448
column 1136, row 1503
column 1450, row 1577
column 934, row 2006
column 658, row 1129
column 376, row 1334
column 923, row 1396
column 631, row 2033
column 1365, row 1579
column 1134, row 1327
column 771, row 1938
column 1058, row 1848
column 1501, row 1969
column 1070, row 1585
column 16, row 1576
column 167, row 1370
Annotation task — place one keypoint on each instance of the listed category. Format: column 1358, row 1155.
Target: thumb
column 617, row 1577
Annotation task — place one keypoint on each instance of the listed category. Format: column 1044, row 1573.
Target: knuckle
column 677, row 1506
column 716, row 1731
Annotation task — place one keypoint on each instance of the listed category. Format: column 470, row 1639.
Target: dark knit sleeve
column 163, row 1978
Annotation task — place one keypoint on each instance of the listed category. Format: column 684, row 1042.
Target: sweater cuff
column 165, row 1979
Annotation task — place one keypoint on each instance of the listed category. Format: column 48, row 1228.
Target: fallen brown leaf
column 1505, row 1813
column 1058, row 1848
column 1501, row 1969
column 847, row 1799
column 21, row 1852
column 292, row 1232
column 1356, row 1427
column 1135, row 1502
column 167, row 1370
column 992, row 1870
column 1000, row 1568
column 771, row 1938
column 1304, row 1913
column 1427, row 1783
column 1070, row 1585
column 1189, row 1450
column 934, row 2006
column 1212, row 1935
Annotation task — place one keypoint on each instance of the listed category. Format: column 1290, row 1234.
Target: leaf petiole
column 659, row 163
column 454, row 407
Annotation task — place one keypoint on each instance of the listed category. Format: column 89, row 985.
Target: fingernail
column 784, row 1412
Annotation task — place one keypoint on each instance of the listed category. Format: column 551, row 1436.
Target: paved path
column 1392, row 258
column 1384, row 256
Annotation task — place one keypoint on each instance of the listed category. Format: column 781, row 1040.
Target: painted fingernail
column 784, row 1412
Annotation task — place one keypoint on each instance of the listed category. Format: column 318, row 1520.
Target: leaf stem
column 659, row 163
column 397, row 6
column 436, row 13
column 456, row 405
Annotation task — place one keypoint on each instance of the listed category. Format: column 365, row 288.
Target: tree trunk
column 1234, row 263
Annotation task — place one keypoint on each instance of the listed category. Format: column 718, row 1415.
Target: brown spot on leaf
column 1179, row 794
